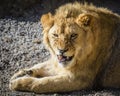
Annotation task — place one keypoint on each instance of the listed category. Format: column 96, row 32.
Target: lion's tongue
column 61, row 58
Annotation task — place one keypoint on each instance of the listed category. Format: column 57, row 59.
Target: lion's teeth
column 68, row 58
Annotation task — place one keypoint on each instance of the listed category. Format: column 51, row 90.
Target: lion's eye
column 55, row 35
column 73, row 36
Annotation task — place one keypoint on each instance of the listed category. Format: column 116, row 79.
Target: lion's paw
column 21, row 83
column 13, row 85
column 21, row 73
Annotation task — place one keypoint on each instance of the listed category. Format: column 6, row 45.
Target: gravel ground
column 21, row 46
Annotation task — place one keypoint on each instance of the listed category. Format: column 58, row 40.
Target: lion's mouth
column 62, row 58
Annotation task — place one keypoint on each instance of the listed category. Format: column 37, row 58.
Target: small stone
column 22, row 33
column 8, row 39
column 36, row 40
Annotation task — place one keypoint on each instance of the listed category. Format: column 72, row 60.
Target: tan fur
column 88, row 35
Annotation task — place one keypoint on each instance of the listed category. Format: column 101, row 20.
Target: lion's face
column 66, row 40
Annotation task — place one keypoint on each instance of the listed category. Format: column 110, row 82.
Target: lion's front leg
column 47, row 84
column 39, row 70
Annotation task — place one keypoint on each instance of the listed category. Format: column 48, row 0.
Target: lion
column 84, row 44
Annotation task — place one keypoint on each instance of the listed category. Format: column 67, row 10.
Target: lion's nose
column 62, row 50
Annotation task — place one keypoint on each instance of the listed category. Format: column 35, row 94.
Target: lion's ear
column 83, row 19
column 47, row 20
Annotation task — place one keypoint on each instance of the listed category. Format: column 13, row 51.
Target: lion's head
column 72, row 35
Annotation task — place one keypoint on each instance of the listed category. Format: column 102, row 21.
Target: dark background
column 17, row 7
